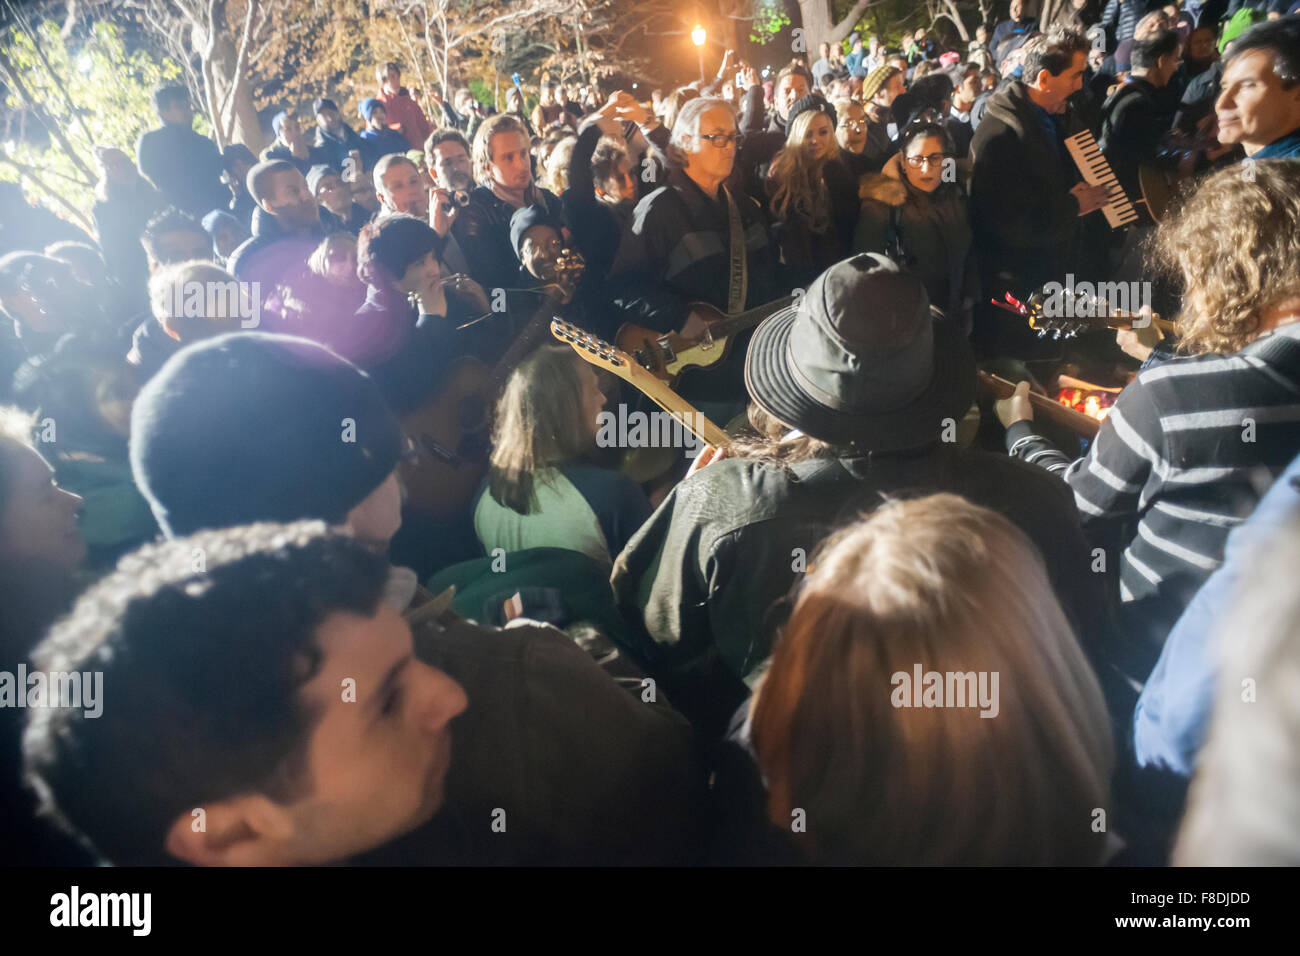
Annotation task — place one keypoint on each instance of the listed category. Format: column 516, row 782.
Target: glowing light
column 697, row 35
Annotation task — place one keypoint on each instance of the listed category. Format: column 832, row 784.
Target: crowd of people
column 290, row 460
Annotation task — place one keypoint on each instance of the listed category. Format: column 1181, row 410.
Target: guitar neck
column 727, row 325
column 1077, row 422
column 691, row 418
column 534, row 332
column 1126, row 320
column 601, row 354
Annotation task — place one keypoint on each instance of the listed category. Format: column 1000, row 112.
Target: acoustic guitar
column 702, row 342
column 601, row 354
column 453, row 430
column 1082, row 425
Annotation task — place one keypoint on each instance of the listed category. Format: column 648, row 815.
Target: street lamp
column 698, row 38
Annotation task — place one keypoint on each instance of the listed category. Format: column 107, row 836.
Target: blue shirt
column 1288, row 147
column 1173, row 713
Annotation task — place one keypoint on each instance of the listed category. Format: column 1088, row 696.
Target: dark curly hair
column 203, row 643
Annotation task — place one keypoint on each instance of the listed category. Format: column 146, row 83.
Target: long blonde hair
column 797, row 185
column 1238, row 239
column 957, row 589
column 538, row 425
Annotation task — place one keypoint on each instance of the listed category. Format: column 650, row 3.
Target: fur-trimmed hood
column 882, row 188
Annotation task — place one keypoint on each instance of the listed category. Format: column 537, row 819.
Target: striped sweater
column 1185, row 454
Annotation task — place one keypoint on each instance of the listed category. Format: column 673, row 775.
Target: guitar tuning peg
column 1042, row 333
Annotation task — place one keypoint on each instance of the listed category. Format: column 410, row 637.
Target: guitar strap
column 739, row 284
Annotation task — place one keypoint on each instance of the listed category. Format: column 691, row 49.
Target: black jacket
column 185, row 167
column 559, row 760
column 119, row 223
column 483, row 230
column 686, row 237
column 1134, row 123
column 930, row 230
column 705, row 580
column 1023, row 216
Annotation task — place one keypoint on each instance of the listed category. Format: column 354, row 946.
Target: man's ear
column 249, row 830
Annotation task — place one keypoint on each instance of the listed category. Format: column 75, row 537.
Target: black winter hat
column 812, row 101
column 524, row 218
column 257, row 427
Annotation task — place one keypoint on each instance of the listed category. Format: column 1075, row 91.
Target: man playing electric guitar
column 704, row 241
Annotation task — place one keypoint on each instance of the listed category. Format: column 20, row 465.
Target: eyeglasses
column 934, row 159
column 721, row 140
column 855, row 126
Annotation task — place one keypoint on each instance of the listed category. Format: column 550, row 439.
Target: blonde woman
column 557, row 165
column 1002, row 759
column 541, row 490
column 803, row 183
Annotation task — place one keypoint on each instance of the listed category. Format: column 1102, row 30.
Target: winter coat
column 931, row 230
column 1025, row 221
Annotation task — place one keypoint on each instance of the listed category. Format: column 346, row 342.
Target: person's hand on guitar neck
column 1090, row 198
column 1141, row 340
column 1016, row 408
column 707, row 456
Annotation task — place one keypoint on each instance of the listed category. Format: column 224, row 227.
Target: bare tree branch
column 31, row 174
column 26, row 26
column 53, row 128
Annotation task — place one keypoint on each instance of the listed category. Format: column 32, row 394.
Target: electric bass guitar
column 601, row 354
column 702, row 342
column 452, row 431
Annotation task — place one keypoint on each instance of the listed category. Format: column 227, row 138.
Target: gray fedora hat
column 863, row 360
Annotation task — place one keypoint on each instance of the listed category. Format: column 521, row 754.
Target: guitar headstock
column 1062, row 312
column 597, row 351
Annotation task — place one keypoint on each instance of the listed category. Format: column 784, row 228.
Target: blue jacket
column 1173, row 713
column 375, row 145
column 338, row 147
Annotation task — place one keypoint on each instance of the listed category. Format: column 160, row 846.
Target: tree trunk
column 949, row 10
column 818, row 26
column 238, row 121
column 1051, row 12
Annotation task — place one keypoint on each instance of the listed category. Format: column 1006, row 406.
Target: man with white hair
column 691, row 226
